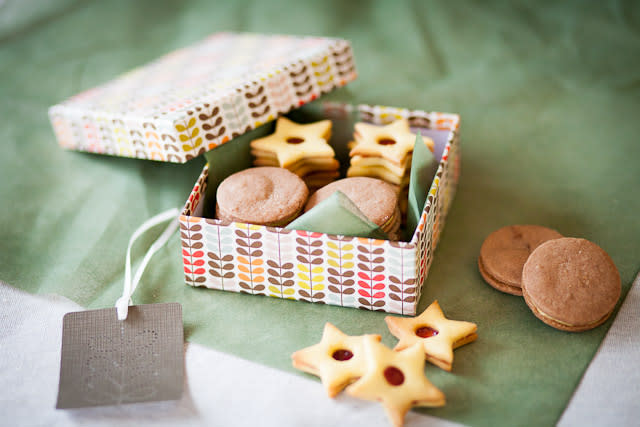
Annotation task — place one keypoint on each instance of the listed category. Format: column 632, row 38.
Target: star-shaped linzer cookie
column 292, row 142
column 338, row 359
column 392, row 142
column 397, row 380
column 437, row 334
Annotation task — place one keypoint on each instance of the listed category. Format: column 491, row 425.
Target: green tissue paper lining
column 423, row 167
column 337, row 214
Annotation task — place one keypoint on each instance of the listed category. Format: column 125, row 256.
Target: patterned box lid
column 199, row 97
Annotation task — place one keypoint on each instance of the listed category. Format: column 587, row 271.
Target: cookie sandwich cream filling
column 564, row 323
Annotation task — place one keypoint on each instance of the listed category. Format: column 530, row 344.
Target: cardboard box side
column 438, row 202
column 114, row 134
column 306, row 266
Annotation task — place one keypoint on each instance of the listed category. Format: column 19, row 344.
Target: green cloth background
column 550, row 100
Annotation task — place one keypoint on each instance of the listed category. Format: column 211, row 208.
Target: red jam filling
column 386, row 141
column 342, row 355
column 295, row 140
column 426, row 332
column 394, row 376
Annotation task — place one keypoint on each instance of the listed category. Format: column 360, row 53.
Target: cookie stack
column 376, row 199
column 302, row 149
column 384, row 152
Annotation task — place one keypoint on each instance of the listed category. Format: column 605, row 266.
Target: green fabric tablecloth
column 549, row 96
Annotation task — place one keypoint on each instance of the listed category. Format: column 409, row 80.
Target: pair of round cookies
column 274, row 196
column 569, row 283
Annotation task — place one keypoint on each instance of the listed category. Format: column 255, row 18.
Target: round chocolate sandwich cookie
column 571, row 284
column 376, row 199
column 264, row 195
column 505, row 251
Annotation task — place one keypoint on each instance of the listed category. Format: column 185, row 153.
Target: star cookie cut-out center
column 437, row 335
column 338, row 359
column 392, row 142
column 397, row 380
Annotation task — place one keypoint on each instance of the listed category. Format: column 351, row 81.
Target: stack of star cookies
column 302, row 149
column 385, row 152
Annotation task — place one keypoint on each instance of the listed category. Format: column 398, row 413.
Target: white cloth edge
column 609, row 392
column 220, row 389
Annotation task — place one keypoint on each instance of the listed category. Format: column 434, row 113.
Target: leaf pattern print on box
column 234, row 83
column 371, row 280
column 340, row 273
column 310, row 266
column 220, row 242
column 250, row 265
column 401, row 280
column 192, row 252
column 214, row 130
column 280, row 274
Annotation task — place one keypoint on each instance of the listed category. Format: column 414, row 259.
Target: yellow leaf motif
column 184, row 138
column 317, row 279
column 303, row 276
column 316, row 270
column 315, row 64
column 186, row 147
column 303, row 267
column 347, row 247
column 198, row 142
column 304, row 285
column 318, row 287
column 191, row 122
column 332, row 254
column 347, row 256
column 180, row 128
column 288, row 291
column 333, row 263
column 195, row 133
column 274, row 289
column 348, row 265
column 332, row 245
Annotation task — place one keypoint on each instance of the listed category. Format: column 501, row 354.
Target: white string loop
column 123, row 303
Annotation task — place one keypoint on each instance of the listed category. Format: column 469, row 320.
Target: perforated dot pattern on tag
column 106, row 361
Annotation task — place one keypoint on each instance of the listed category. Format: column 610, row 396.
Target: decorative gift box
column 230, row 88
column 316, row 267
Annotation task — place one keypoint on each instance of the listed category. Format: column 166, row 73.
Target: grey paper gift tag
column 106, row 361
